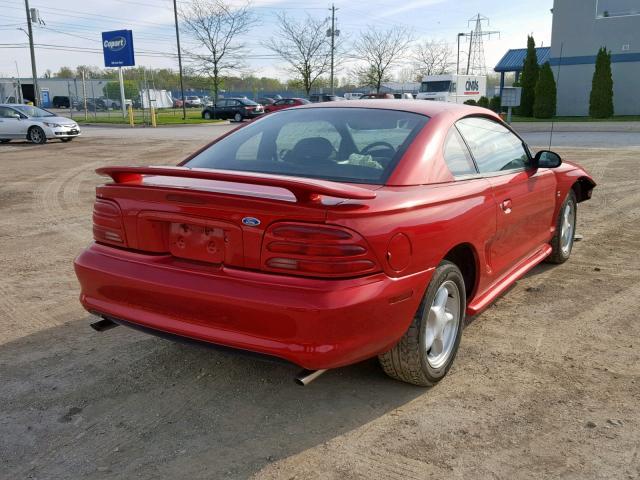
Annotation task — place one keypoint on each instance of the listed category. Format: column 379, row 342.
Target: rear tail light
column 316, row 251
column 107, row 223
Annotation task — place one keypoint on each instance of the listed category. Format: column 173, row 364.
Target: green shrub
column 529, row 78
column 601, row 98
column 483, row 102
column 546, row 94
column 471, row 101
column 494, row 104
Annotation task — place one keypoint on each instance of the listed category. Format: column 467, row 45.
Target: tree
column 64, row 72
column 216, row 26
column 601, row 98
column 529, row 79
column 433, row 58
column 305, row 47
column 380, row 51
column 545, row 97
column 112, row 89
column 90, row 71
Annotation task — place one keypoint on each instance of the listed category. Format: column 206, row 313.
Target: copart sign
column 117, row 47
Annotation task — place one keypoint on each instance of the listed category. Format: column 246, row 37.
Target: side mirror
column 16, row 115
column 547, row 159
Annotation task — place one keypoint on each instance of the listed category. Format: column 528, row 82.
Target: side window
column 456, row 155
column 494, row 147
column 8, row 112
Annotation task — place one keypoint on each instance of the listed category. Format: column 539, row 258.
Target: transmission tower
column 475, row 62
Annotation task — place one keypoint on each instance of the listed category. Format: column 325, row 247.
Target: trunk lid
column 215, row 217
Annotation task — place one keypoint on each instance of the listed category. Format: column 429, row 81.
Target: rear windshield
column 246, row 101
column 359, row 145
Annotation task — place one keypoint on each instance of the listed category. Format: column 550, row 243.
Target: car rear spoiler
column 306, row 190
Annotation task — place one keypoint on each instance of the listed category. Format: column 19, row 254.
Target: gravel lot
column 546, row 383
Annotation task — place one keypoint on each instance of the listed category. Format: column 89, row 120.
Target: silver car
column 34, row 124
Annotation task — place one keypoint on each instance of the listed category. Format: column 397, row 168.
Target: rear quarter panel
column 435, row 218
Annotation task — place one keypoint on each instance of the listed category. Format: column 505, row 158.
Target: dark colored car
column 285, row 103
column 61, row 102
column 329, row 234
column 324, row 97
column 236, row 109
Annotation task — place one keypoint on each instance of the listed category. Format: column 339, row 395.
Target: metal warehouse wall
column 581, row 28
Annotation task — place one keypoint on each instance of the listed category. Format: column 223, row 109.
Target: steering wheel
column 378, row 146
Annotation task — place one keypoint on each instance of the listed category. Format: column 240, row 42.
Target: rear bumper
column 310, row 322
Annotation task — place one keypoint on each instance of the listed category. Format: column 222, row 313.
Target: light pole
column 184, row 107
column 333, row 33
column 458, row 58
column 34, row 73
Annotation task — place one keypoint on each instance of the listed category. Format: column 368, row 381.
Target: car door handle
column 506, row 206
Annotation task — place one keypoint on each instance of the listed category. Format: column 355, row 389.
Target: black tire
column 237, row 117
column 408, row 360
column 68, row 139
column 561, row 250
column 36, row 135
column 206, row 115
column 5, row 140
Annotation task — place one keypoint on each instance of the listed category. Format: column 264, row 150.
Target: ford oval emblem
column 251, row 221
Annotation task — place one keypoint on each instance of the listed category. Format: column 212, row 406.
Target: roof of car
column 11, row 105
column 424, row 107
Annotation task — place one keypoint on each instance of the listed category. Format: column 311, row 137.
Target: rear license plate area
column 196, row 242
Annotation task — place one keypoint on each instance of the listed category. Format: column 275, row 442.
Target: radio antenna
column 557, row 89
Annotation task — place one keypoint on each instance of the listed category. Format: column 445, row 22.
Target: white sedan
column 34, row 124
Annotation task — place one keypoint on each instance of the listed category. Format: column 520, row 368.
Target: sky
column 71, row 34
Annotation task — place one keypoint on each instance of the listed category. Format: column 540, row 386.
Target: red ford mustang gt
column 330, row 233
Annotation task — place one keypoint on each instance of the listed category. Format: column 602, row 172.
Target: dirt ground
column 546, row 383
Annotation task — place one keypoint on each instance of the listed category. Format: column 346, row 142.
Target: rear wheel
column 37, row 135
column 562, row 241
column 206, row 115
column 425, row 353
column 237, row 117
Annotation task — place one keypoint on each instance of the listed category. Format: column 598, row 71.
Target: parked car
column 264, row 101
column 325, row 235
column 192, row 102
column 177, row 103
column 324, row 97
column 60, row 101
column 236, row 109
column 352, row 95
column 110, row 103
column 374, row 96
column 285, row 103
column 34, row 124
column 93, row 105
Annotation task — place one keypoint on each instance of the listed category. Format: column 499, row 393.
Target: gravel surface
column 546, row 383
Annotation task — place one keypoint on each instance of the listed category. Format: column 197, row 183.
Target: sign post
column 117, row 47
column 510, row 98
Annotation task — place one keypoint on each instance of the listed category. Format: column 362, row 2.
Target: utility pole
column 333, row 33
column 34, row 73
column 184, row 108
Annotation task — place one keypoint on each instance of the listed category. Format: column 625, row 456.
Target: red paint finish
column 285, row 103
column 320, row 273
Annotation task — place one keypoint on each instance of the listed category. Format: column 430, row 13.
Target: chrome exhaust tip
column 103, row 325
column 305, row 377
